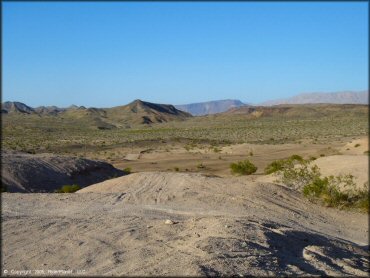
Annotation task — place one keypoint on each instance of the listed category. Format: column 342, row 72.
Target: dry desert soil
column 158, row 222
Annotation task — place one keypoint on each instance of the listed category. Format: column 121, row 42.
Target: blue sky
column 108, row 54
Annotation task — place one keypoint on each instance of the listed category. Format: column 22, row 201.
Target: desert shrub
column 243, row 167
column 68, row 188
column 201, row 166
column 299, row 175
column 279, row 165
column 216, row 150
column 176, row 169
column 127, row 170
column 357, row 145
column 314, row 189
column 275, row 166
column 327, row 191
column 296, row 157
column 333, row 191
column 362, row 202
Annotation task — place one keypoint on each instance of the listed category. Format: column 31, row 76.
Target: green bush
column 296, row 157
column 243, row 167
column 362, row 202
column 279, row 165
column 127, row 170
column 275, row 166
column 338, row 191
column 314, row 189
column 326, row 190
column 216, row 150
column 68, row 188
column 298, row 175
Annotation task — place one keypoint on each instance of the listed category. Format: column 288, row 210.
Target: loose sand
column 167, row 157
column 229, row 226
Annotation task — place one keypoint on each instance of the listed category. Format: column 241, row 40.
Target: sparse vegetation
column 334, row 191
column 280, row 164
column 275, row 166
column 81, row 137
column 60, row 135
column 296, row 157
column 216, row 149
column 68, row 189
column 299, row 174
column 243, row 167
column 127, row 170
column 326, row 191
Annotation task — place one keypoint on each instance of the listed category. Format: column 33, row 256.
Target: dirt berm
column 23, row 172
column 177, row 224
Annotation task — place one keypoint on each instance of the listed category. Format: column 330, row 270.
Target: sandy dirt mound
column 356, row 165
column 132, row 156
column 357, row 146
column 22, row 172
column 219, row 226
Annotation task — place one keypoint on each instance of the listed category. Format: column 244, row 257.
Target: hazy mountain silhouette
column 210, row 107
column 345, row 97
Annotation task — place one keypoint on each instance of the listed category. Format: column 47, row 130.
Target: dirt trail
column 229, row 226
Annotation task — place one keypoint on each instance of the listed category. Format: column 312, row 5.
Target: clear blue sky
column 107, row 54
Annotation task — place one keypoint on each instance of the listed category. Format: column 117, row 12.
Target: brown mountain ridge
column 135, row 113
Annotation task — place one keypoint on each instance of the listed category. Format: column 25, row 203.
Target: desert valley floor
column 161, row 222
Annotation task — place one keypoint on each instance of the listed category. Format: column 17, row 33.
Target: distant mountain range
column 135, row 113
column 297, row 110
column 345, row 97
column 16, row 107
column 220, row 106
column 141, row 112
column 210, row 107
